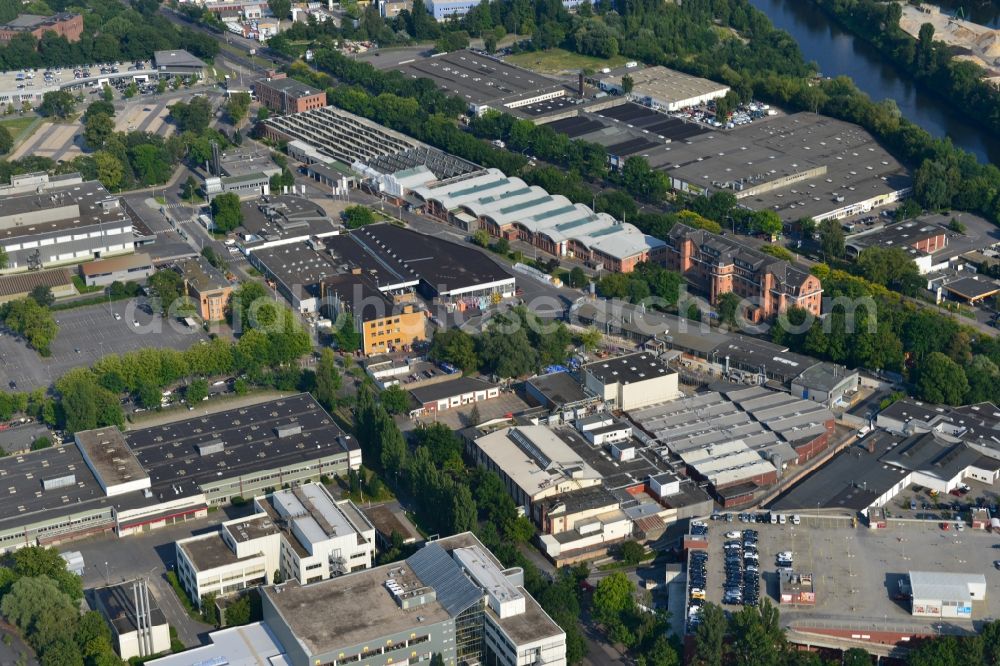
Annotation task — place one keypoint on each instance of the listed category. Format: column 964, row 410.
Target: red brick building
column 280, row 93
column 717, row 265
column 64, row 24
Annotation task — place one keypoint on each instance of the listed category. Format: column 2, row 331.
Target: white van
column 774, row 519
column 781, row 519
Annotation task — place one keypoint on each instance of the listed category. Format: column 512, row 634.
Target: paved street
column 150, row 555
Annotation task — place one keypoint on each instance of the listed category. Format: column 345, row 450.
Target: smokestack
column 580, row 84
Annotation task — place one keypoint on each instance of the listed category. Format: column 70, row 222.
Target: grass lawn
column 21, row 127
column 555, row 61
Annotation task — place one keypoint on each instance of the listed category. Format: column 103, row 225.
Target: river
column 838, row 52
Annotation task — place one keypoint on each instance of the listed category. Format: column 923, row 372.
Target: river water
column 838, row 52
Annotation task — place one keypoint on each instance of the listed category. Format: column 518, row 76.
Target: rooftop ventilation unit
column 59, row 482
column 208, row 448
column 288, row 430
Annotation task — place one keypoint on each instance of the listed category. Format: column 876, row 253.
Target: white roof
column 249, row 645
column 492, row 195
column 536, row 459
column 727, row 462
column 935, row 585
column 314, row 515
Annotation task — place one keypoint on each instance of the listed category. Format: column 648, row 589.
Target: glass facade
column 469, row 626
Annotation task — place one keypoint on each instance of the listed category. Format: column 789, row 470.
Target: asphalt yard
column 857, row 570
column 85, row 335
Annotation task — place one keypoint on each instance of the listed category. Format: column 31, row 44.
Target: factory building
column 300, row 533
column 508, row 208
column 631, row 382
column 451, row 598
column 64, row 24
column 51, row 220
column 107, row 481
column 946, row 595
column 662, row 88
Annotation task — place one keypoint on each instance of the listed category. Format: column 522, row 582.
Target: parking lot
column 85, row 335
column 857, row 570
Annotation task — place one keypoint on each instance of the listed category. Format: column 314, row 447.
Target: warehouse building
column 922, row 241
column 826, row 383
column 482, row 81
column 296, row 270
column 126, row 268
column 280, row 220
column 508, row 208
column 51, row 220
column 631, row 382
column 246, row 172
column 157, row 476
column 950, row 595
column 300, row 533
column 451, row 598
column 19, row 285
column 561, row 392
column 662, row 88
column 178, row 62
column 451, row 394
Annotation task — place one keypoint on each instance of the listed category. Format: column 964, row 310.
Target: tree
column 280, row 8
column 613, row 597
column 941, row 380
column 110, row 170
column 42, row 295
column 42, row 442
column 481, row 238
column 728, row 306
column 631, row 552
column 490, row 43
column 908, row 209
column 226, row 212
column 97, row 129
column 39, row 561
column 196, row 391
column 57, row 104
column 107, row 93
column 239, row 103
column 6, row 140
column 31, row 321
column 238, row 612
column 452, row 41
column 328, row 379
column 42, row 612
column 193, row 116
column 209, row 611
column 395, row 400
column 766, row 222
column 168, row 285
column 356, row 217
column 831, row 239
column 628, row 83
column 807, row 227
column 189, row 190
column 856, row 657
column 475, row 418
column 710, row 637
column 463, row 510
column 3, row 258
column 456, row 347
column 502, row 246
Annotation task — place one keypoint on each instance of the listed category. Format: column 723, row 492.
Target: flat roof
column 176, row 58
column 117, row 604
column 290, row 86
column 249, row 438
column 973, row 288
column 248, row 645
column 584, row 499
column 479, row 79
column 279, row 217
column 210, row 551
column 109, row 456
column 201, row 275
column 250, row 528
column 444, row 266
column 851, row 481
column 755, row 355
column 667, row 85
column 535, row 458
column 560, row 388
column 628, row 369
column 901, row 234
column 387, row 521
column 297, row 266
column 316, row 516
column 944, row 586
column 825, row 376
column 449, row 389
column 74, row 206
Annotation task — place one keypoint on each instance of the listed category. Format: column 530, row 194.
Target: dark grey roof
column 933, row 454
column 627, row 369
column 971, row 288
column 585, row 499
column 434, row 567
column 117, row 604
column 559, row 388
column 824, row 376
column 448, row 389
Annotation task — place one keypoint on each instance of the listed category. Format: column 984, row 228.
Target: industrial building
column 631, row 382
column 19, row 285
column 508, row 208
column 444, row 10
column 826, row 383
column 300, row 533
column 297, row 271
column 138, row 626
column 178, row 62
column 662, row 88
column 448, row 395
column 282, row 219
column 946, row 595
column 482, row 81
column 279, row 93
column 207, row 286
column 332, row 137
column 451, row 598
column 560, row 392
column 64, row 24
column 922, row 241
column 50, row 220
column 245, row 172
column 107, row 481
column 717, row 265
column 125, row 268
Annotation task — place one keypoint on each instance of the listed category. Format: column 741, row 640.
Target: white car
column 785, row 555
column 960, row 526
column 796, row 520
column 118, row 317
column 735, row 534
column 781, row 519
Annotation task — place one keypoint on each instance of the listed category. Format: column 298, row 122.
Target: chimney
column 579, row 91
